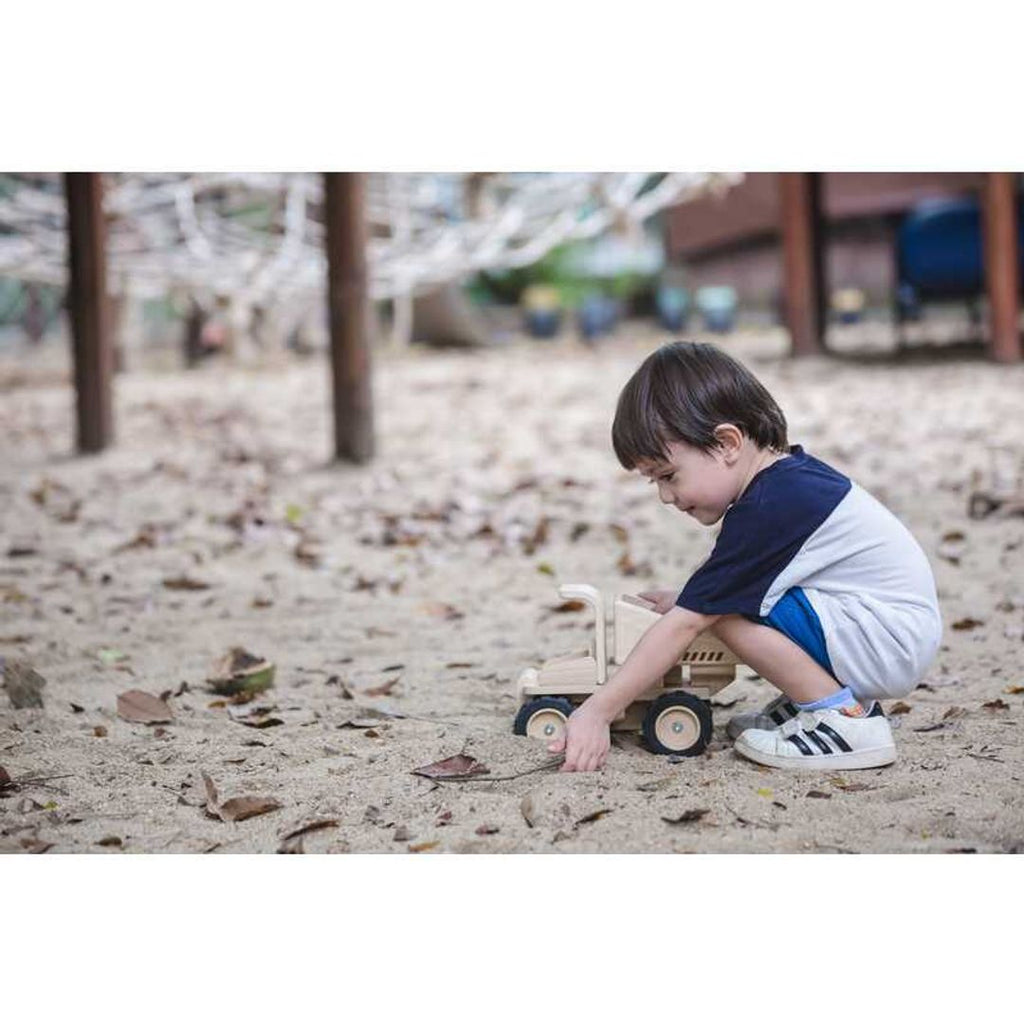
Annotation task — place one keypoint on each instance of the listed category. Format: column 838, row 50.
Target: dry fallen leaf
column 570, row 606
column 460, row 766
column 239, row 671
column 1013, row 689
column 996, row 705
column 237, row 808
column 817, row 794
column 420, row 847
column 592, row 816
column 693, row 815
column 24, row 685
column 968, row 623
column 185, row 583
column 384, row 689
column 900, row 708
column 312, row 826
column 139, row 706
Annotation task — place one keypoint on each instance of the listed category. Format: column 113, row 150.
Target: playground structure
column 674, row 716
column 344, row 240
column 249, row 244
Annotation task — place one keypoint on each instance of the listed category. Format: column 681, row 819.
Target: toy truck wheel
column 677, row 723
column 543, row 718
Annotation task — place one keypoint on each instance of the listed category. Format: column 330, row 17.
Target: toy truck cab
column 674, row 715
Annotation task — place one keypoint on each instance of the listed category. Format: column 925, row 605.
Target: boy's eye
column 668, row 477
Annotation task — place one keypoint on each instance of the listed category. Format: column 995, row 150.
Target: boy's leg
column 830, row 734
column 773, row 656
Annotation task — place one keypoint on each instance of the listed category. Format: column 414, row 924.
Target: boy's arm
column 587, row 736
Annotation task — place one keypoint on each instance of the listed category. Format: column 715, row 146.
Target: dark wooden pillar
column 1002, row 265
column 89, row 311
column 803, row 261
column 348, row 305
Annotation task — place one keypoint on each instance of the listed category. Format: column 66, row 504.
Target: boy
column 812, row 582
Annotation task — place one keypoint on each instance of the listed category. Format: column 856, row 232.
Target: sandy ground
column 431, row 575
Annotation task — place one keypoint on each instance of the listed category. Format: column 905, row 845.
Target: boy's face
column 701, row 484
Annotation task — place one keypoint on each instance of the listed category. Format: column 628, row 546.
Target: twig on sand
column 553, row 763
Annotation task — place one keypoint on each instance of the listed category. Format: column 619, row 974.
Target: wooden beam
column 802, row 261
column 348, row 307
column 1002, row 265
column 89, row 311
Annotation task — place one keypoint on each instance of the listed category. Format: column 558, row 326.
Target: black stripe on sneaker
column 777, row 717
column 801, row 746
column 790, row 709
column 819, row 742
column 834, row 737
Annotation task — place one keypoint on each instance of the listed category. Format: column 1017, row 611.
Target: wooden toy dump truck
column 674, row 716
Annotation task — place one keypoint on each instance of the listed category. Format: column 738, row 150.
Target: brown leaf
column 570, row 606
column 259, row 720
column 954, row 712
column 313, row 826
column 968, row 623
column 384, row 689
column 185, row 583
column 239, row 808
column 420, row 847
column 139, row 706
column 996, row 705
column 692, row 815
column 1013, row 689
column 240, row 671
column 593, row 816
column 110, row 841
column 817, row 794
column 900, row 708
column 99, row 730
column 460, row 766
column 460, row 664
column 24, row 685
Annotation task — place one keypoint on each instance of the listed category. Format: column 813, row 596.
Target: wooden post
column 1002, row 266
column 802, row 261
column 89, row 311
column 345, row 222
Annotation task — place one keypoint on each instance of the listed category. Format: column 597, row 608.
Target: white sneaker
column 822, row 740
column 771, row 716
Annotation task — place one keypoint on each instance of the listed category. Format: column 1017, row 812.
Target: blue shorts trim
column 795, row 617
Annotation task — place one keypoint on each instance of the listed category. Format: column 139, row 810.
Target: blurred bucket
column 542, row 311
column 717, row 306
column 673, row 306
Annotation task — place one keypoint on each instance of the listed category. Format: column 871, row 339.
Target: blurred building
column 734, row 238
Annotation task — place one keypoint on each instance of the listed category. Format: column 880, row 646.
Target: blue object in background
column 939, row 251
column 673, row 305
column 597, row 315
column 543, row 323
column 717, row 306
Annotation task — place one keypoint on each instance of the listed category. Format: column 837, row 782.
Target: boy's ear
column 730, row 440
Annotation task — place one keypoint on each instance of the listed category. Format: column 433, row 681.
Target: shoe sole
column 873, row 757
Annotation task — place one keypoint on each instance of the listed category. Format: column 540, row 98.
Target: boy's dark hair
column 682, row 392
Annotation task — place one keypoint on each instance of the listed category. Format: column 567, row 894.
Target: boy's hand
column 586, row 742
column 663, row 600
